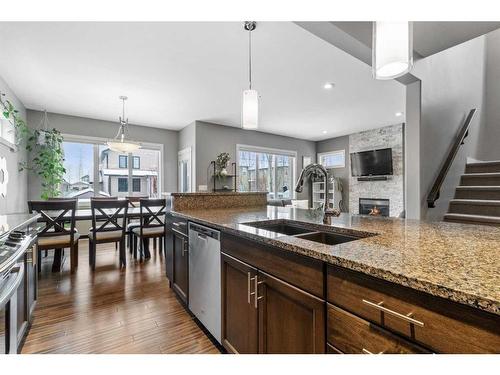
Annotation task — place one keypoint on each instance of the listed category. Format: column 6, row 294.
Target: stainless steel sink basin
column 281, row 227
column 327, row 238
column 310, row 233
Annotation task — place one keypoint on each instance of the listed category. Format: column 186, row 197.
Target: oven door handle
column 17, row 272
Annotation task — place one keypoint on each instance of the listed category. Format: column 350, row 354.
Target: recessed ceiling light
column 398, row 114
column 328, row 85
column 324, row 132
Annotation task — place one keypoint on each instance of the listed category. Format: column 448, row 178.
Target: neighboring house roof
column 79, row 193
column 124, row 172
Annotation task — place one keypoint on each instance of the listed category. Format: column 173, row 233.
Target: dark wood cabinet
column 169, row 254
column 279, row 318
column 239, row 314
column 180, row 264
column 290, row 319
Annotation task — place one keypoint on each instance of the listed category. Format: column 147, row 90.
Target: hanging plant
column 45, row 145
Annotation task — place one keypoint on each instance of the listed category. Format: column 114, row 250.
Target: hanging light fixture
column 392, row 49
column 122, row 141
column 250, row 101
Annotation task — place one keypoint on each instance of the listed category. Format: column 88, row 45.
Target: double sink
column 295, row 229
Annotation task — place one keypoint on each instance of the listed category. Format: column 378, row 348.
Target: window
column 136, row 162
column 270, row 170
column 89, row 157
column 122, row 184
column 122, row 161
column 136, row 185
column 332, row 159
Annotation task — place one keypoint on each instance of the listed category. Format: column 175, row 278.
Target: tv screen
column 372, row 163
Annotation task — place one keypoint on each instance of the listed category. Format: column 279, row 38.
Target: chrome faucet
column 316, row 170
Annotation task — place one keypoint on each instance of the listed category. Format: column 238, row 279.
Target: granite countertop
column 459, row 262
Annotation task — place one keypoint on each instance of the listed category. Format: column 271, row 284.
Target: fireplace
column 374, row 207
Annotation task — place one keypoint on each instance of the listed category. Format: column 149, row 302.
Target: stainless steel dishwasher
column 205, row 277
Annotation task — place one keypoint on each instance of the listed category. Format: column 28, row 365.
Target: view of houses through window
column 119, row 174
column 271, row 171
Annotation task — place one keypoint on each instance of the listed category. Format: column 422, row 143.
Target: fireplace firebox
column 374, row 207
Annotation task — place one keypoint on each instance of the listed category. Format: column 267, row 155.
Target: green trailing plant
column 45, row 147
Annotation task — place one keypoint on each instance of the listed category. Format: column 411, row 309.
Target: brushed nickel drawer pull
column 366, row 351
column 249, row 287
column 256, row 293
column 379, row 306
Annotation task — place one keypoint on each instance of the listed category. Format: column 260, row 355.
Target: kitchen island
column 401, row 285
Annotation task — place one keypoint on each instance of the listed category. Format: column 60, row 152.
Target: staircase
column 477, row 199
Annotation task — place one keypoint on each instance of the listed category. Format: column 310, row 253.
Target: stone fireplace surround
column 392, row 188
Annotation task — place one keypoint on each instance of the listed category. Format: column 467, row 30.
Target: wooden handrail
column 462, row 134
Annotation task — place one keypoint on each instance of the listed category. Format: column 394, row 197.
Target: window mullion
column 130, row 164
column 96, row 169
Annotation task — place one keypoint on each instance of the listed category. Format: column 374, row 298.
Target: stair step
column 480, row 179
column 483, row 167
column 473, row 219
column 475, row 207
column 478, row 192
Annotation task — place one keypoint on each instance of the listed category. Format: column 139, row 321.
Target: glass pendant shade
column 392, row 49
column 250, row 110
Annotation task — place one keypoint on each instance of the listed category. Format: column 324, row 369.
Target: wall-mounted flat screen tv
column 372, row 163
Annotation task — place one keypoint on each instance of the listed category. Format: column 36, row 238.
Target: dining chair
column 109, row 217
column 56, row 214
column 152, row 226
column 133, row 222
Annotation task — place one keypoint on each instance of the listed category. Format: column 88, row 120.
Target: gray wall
column 212, row 139
column 491, row 131
column 105, row 129
column 334, row 144
column 452, row 84
column 187, row 138
column 17, row 187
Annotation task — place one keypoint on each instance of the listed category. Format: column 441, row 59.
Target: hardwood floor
column 112, row 310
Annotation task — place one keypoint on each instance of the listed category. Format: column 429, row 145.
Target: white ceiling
column 178, row 72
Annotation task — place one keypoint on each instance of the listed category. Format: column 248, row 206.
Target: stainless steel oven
column 10, row 280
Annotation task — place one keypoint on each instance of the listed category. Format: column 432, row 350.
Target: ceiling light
column 328, row 85
column 250, row 100
column 392, row 49
column 324, row 132
column 398, row 114
column 122, row 142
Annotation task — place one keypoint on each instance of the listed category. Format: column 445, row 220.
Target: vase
column 223, row 172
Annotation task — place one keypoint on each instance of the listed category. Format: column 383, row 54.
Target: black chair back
column 55, row 214
column 153, row 212
column 110, row 214
column 133, row 201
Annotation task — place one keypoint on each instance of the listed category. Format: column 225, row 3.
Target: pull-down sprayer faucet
column 318, row 169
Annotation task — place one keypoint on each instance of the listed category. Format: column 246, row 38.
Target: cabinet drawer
column 351, row 334
column 176, row 223
column 441, row 325
column 303, row 272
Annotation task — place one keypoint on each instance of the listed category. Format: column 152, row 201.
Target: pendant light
column 392, row 49
column 122, row 141
column 250, row 101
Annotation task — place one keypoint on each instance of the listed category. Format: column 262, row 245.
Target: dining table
column 85, row 214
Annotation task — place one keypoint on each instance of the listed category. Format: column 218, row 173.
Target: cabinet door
column 290, row 320
column 169, row 255
column 239, row 314
column 181, row 261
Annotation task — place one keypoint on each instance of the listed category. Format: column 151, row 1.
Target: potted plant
column 45, row 147
column 221, row 164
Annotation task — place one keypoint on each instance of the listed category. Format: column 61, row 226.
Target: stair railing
column 462, row 134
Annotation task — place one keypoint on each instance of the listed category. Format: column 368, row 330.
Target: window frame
column 134, row 158
column 274, row 152
column 120, row 158
column 134, row 180
column 333, row 152
column 121, row 179
column 99, row 141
